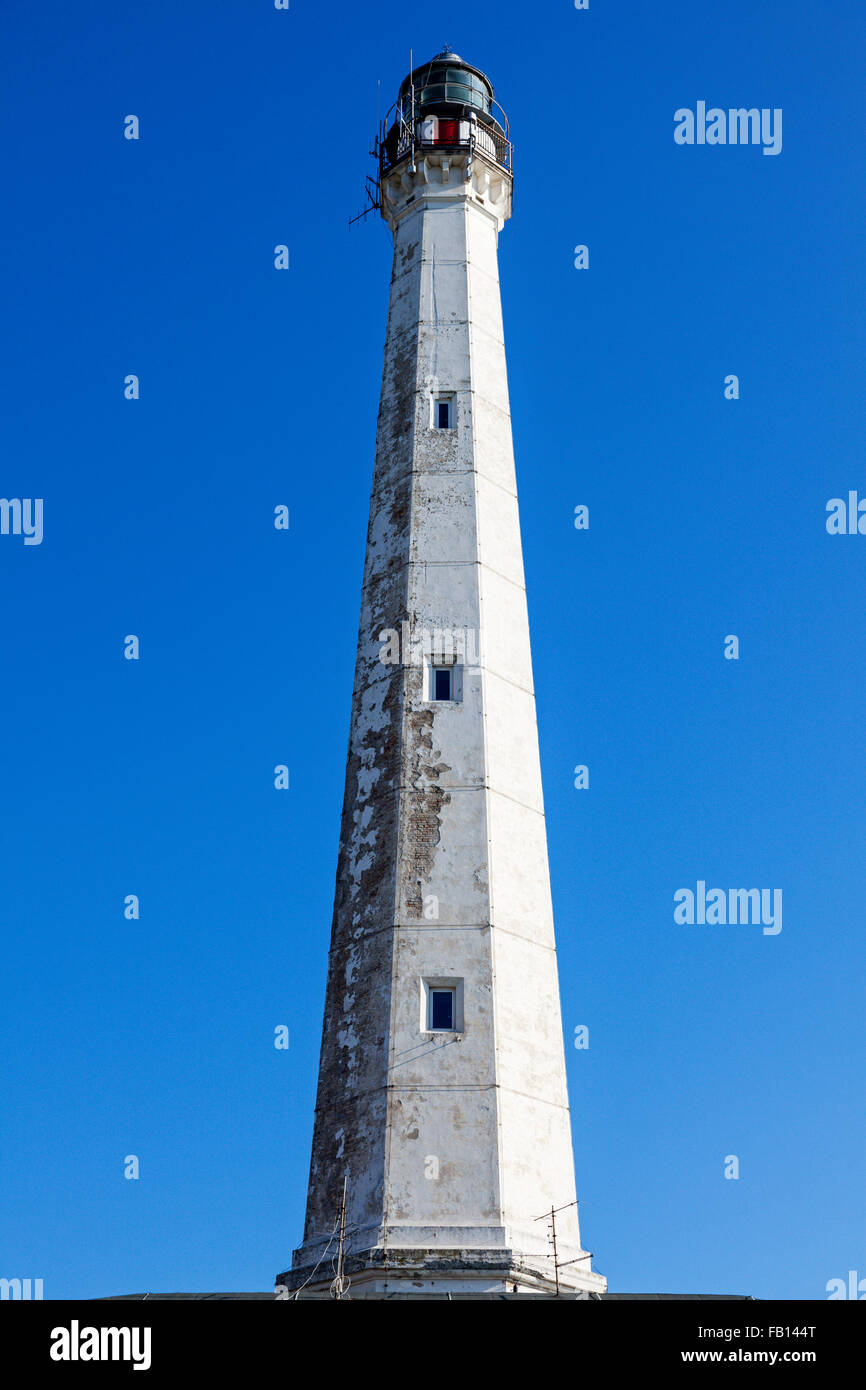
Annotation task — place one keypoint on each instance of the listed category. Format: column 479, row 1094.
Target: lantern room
column 445, row 104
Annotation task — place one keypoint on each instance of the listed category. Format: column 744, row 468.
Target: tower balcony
column 440, row 133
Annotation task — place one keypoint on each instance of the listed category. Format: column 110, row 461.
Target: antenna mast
column 412, row 89
column 557, row 1263
column 340, row 1285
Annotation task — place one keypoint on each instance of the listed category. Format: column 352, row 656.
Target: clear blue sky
column 260, row 387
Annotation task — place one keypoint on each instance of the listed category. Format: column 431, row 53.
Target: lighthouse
column 442, row 1137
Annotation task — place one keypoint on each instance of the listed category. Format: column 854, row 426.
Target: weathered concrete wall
column 453, row 1143
column 351, row 1120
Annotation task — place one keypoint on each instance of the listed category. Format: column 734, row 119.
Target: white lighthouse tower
column 442, row 1110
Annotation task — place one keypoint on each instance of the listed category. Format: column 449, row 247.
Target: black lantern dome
column 447, row 84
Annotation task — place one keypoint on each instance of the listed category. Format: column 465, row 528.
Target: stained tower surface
column 442, row 1101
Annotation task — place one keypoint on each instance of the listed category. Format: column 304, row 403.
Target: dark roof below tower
column 442, row 1297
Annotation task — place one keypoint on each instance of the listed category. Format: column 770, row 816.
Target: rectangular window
column 441, row 1005
column 443, row 679
column 442, row 682
column 442, row 414
column 441, row 1002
